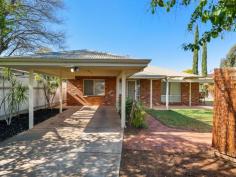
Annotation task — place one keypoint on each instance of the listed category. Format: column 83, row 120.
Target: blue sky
column 128, row 27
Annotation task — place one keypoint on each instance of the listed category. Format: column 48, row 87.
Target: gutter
column 61, row 60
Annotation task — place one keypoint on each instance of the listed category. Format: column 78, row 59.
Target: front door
column 131, row 89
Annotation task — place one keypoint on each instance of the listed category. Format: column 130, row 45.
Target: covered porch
column 164, row 88
column 76, row 64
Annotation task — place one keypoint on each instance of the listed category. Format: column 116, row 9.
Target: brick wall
column 224, row 117
column 156, row 93
column 75, row 92
column 185, row 93
column 145, row 92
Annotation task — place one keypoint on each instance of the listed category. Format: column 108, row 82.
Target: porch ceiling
column 61, row 67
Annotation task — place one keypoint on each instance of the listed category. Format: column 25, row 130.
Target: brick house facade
column 156, row 96
column 145, row 92
column 195, row 97
column 75, row 93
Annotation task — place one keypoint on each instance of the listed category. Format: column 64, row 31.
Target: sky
column 127, row 27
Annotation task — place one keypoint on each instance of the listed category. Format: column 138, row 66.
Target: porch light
column 74, row 69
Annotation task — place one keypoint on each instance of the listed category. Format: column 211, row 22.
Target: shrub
column 15, row 97
column 50, row 85
column 128, row 104
column 137, row 115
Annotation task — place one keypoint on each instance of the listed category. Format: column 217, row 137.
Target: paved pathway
column 83, row 141
column 161, row 138
column 163, row 151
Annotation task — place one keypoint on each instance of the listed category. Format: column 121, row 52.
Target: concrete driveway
column 81, row 141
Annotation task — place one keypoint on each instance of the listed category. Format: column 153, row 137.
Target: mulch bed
column 145, row 153
column 156, row 164
column 21, row 123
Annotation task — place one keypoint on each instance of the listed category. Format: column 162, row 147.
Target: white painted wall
column 39, row 99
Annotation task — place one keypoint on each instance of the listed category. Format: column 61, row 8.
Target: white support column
column 151, row 93
column 123, row 99
column 167, row 94
column 31, row 99
column 190, row 94
column 117, row 92
column 60, row 95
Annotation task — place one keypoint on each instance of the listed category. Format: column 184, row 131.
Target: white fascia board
column 192, row 80
column 71, row 63
column 147, row 77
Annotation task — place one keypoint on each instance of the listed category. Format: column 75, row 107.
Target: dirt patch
column 162, row 151
column 21, row 123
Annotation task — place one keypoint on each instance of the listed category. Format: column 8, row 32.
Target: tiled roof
column 78, row 54
column 153, row 71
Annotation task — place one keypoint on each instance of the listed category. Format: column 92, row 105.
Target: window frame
column 170, row 95
column 94, row 87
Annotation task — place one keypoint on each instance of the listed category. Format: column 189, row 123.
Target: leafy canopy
column 230, row 60
column 25, row 25
column 195, row 52
column 220, row 14
column 204, row 60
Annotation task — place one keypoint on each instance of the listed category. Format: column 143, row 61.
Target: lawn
column 199, row 120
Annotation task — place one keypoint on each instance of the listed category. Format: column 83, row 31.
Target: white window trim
column 94, row 88
column 171, row 96
column 135, row 88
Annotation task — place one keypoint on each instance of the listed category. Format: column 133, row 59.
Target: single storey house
column 97, row 78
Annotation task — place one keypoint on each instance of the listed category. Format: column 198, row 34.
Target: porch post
column 60, row 94
column 167, row 94
column 117, row 92
column 190, row 93
column 151, row 93
column 123, row 99
column 31, row 99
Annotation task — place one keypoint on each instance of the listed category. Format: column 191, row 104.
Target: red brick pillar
column 224, row 118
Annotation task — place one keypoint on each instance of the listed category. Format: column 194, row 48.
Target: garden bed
column 21, row 123
column 159, row 151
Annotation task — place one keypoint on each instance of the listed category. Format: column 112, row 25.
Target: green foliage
column 24, row 25
column 16, row 95
column 204, row 60
column 199, row 120
column 195, row 52
column 128, row 108
column 137, row 115
column 230, row 60
column 220, row 14
column 189, row 71
column 50, row 85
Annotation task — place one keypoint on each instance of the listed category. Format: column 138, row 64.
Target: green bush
column 128, row 108
column 137, row 115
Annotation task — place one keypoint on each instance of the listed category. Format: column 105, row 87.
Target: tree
column 230, row 60
column 188, row 71
column 50, row 85
column 220, row 14
column 195, row 52
column 24, row 25
column 204, row 60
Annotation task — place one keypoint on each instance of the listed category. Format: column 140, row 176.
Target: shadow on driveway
column 78, row 142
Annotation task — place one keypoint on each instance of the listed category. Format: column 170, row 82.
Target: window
column 94, row 87
column 174, row 92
